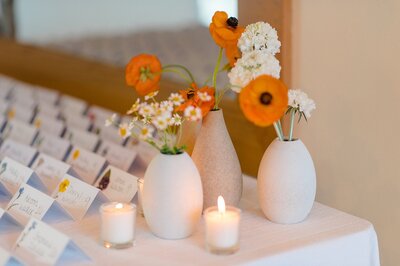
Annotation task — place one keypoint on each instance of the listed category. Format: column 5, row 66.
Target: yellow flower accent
column 63, row 186
column 38, row 123
column 11, row 114
column 75, row 155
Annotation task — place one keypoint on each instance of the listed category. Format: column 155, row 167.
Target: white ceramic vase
column 172, row 196
column 286, row 182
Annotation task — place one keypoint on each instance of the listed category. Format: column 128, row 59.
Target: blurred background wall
column 346, row 56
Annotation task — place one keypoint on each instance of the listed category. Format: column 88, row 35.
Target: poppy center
column 232, row 22
column 190, row 94
column 266, row 98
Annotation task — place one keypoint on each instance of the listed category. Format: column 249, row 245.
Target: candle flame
column 119, row 205
column 221, row 204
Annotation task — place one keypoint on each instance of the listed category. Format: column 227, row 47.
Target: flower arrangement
column 253, row 72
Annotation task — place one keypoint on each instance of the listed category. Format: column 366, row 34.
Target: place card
column 82, row 138
column 22, row 90
column 86, row 164
column 68, row 103
column 48, row 110
column 117, row 155
column 145, row 151
column 77, row 197
column 117, row 185
column 46, row 96
column 17, row 151
column 7, row 259
column 2, row 122
column 52, row 145
column 13, row 174
column 4, row 106
column 20, row 132
column 98, row 114
column 6, row 220
column 29, row 202
column 41, row 244
column 21, row 113
column 76, row 120
column 110, row 133
column 50, row 170
column 49, row 125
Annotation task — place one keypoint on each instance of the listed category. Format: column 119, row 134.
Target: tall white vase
column 286, row 182
column 172, row 196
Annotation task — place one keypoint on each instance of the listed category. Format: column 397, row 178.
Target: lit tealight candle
column 117, row 224
column 222, row 228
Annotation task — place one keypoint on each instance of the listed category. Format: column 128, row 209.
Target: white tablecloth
column 327, row 237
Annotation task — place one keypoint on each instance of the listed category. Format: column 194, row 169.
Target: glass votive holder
column 140, row 182
column 117, row 224
column 222, row 230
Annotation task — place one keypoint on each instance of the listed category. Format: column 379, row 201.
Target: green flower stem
column 225, row 68
column 176, row 71
column 214, row 80
column 278, row 132
column 280, row 129
column 292, row 114
column 181, row 67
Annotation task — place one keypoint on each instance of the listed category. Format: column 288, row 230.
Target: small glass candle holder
column 117, row 224
column 140, row 183
column 222, row 228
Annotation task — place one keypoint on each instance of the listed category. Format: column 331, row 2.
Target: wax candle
column 117, row 224
column 222, row 228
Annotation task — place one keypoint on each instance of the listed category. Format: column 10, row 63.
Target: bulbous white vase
column 286, row 182
column 172, row 196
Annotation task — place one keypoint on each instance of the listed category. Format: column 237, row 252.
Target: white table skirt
column 327, row 237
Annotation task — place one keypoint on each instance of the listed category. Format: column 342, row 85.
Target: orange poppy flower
column 143, row 72
column 225, row 31
column 264, row 100
column 232, row 53
column 192, row 97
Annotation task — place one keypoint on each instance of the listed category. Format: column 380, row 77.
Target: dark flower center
column 190, row 94
column 232, row 22
column 266, row 98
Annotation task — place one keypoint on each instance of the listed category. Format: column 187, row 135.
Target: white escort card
column 82, row 138
column 76, row 120
column 86, row 164
column 99, row 114
column 50, row 170
column 117, row 185
column 46, row 96
column 17, row 151
column 20, row 132
column 4, row 106
column 29, row 202
column 41, row 244
column 6, row 259
column 52, row 145
column 49, row 125
column 13, row 174
column 108, row 133
column 77, row 197
column 21, row 113
column 117, row 155
column 6, row 220
column 2, row 122
column 71, row 103
column 48, row 110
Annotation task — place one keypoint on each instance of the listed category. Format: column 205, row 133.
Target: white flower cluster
column 259, row 36
column 258, row 43
column 299, row 100
column 250, row 66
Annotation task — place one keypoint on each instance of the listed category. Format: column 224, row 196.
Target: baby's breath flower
column 259, row 36
column 252, row 65
column 192, row 113
column 151, row 95
column 111, row 120
column 124, row 130
column 160, row 122
column 146, row 132
column 134, row 108
column 176, row 99
column 204, row 96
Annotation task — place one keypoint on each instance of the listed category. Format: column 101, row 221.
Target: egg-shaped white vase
column 172, row 196
column 286, row 182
